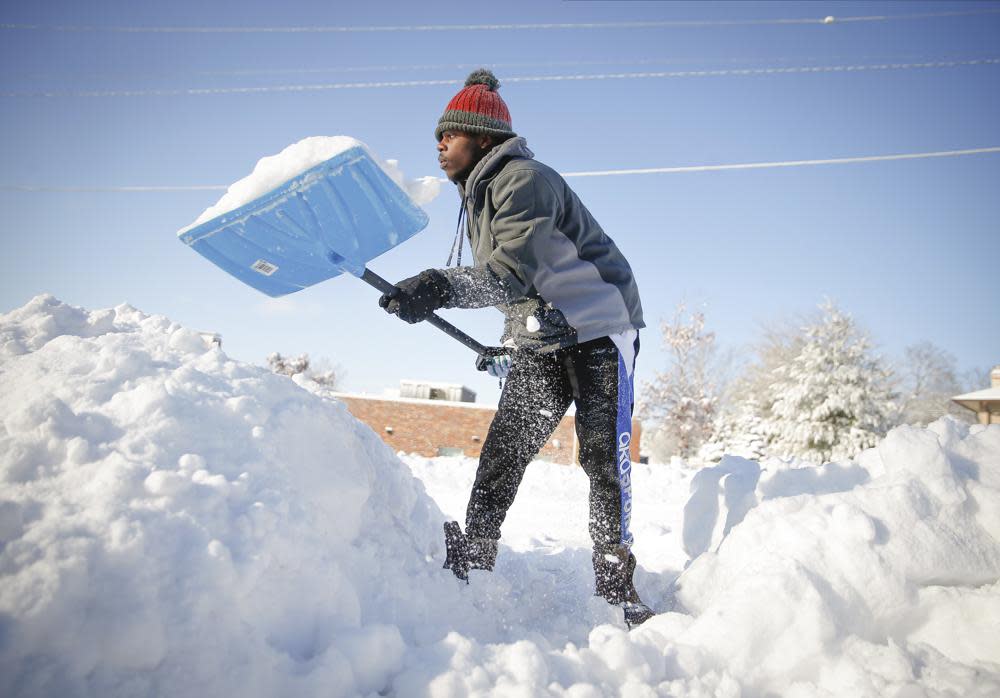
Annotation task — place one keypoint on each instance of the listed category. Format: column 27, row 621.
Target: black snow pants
column 537, row 394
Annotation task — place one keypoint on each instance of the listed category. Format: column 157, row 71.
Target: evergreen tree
column 834, row 398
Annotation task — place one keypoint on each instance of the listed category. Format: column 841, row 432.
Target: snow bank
column 876, row 578
column 827, row 583
column 173, row 522
column 273, row 171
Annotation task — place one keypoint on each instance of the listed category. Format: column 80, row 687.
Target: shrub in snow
column 301, row 365
column 287, row 366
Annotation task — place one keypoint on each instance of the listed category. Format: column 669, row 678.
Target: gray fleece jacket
column 540, row 256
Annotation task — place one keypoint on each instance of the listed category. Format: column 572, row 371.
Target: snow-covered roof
column 972, row 400
column 570, row 411
column 416, row 400
column 433, row 384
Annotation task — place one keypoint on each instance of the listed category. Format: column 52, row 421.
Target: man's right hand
column 416, row 298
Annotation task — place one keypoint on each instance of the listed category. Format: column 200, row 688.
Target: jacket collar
column 494, row 160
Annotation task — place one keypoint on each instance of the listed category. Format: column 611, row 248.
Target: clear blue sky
column 910, row 248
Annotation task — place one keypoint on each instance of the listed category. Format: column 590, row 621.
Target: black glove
column 416, row 298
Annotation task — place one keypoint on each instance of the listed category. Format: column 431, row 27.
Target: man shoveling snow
column 572, row 314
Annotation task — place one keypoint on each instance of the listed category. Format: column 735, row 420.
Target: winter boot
column 465, row 553
column 613, row 568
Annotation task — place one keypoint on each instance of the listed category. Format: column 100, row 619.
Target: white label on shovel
column 265, row 268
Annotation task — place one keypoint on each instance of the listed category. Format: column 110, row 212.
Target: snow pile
column 173, row 522
column 271, row 172
column 848, row 579
column 845, row 578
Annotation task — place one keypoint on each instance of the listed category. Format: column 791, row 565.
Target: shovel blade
column 333, row 218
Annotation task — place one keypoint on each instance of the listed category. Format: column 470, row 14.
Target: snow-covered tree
column 834, row 398
column 780, row 343
column 682, row 401
column 738, row 431
column 739, row 427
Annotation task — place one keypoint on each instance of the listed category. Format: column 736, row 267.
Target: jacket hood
column 516, row 147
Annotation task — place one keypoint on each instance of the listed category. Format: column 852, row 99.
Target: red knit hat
column 477, row 108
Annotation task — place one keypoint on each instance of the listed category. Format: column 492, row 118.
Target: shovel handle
column 373, row 279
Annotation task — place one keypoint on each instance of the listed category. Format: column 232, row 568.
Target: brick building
column 441, row 427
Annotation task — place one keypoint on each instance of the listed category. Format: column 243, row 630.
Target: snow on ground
column 274, row 170
column 175, row 522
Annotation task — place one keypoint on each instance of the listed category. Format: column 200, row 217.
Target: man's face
column 459, row 153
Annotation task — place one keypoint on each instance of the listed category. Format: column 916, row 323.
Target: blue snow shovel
column 333, row 218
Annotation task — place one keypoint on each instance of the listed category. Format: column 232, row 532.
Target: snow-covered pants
column 537, row 394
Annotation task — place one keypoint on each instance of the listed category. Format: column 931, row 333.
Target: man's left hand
column 497, row 366
column 416, row 298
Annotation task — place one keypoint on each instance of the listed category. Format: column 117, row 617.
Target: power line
column 497, row 27
column 94, row 190
column 787, row 163
column 416, row 67
column 318, row 87
column 487, row 64
column 200, row 91
column 661, row 60
column 594, row 173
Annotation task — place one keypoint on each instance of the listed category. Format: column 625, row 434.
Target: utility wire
column 496, row 27
column 130, row 189
column 417, row 67
column 199, row 91
column 594, row 173
column 787, row 163
column 467, row 66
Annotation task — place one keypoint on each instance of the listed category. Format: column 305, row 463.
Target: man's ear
column 486, row 141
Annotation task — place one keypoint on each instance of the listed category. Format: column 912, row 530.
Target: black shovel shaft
column 373, row 279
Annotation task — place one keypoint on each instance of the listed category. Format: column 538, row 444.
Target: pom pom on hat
column 483, row 77
column 477, row 108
